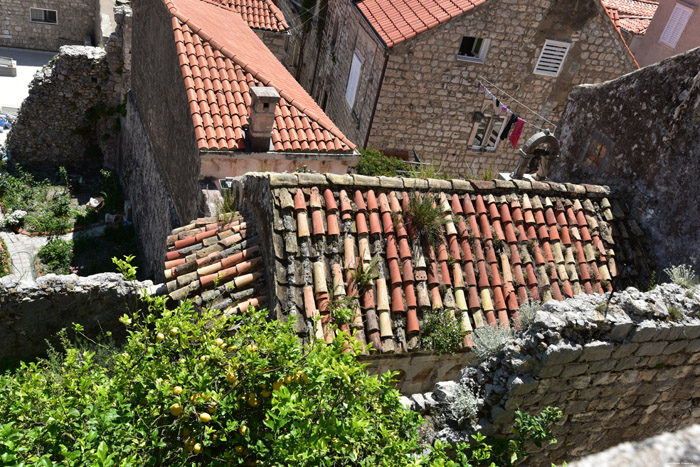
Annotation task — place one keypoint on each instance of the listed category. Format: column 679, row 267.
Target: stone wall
column 428, row 96
column 159, row 93
column 71, row 115
column 641, row 133
column 32, row 312
column 76, row 24
column 619, row 375
column 276, row 42
column 153, row 213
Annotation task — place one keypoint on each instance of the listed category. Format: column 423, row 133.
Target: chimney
column 264, row 101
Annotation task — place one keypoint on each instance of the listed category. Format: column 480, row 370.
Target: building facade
column 48, row 24
column 412, row 85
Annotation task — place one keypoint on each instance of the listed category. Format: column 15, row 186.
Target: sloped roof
column 259, row 14
column 398, row 20
column 631, row 15
column 216, row 262
column 503, row 244
column 220, row 59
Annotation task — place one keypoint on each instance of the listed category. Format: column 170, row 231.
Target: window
column 488, row 130
column 552, row 58
column 596, row 152
column 38, row 15
column 473, row 49
column 675, row 26
column 353, row 79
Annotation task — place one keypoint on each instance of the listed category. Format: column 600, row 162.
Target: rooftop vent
column 262, row 116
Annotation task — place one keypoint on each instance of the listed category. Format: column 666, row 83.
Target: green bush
column 56, row 256
column 373, row 162
column 441, row 332
column 5, row 264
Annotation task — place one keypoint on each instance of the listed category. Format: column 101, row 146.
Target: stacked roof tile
column 398, row 20
column 220, row 59
column 217, row 263
column 259, row 14
column 631, row 16
column 351, row 240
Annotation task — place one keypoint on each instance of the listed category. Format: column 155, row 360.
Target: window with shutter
column 552, row 58
column 487, row 132
column 39, row 15
column 353, row 79
column 675, row 26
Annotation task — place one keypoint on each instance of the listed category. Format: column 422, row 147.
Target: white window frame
column 491, row 121
column 553, row 52
column 353, row 79
column 676, row 25
column 481, row 55
column 42, row 22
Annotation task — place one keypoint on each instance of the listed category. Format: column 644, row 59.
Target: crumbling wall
column 617, row 375
column 641, row 133
column 71, row 115
column 33, row 312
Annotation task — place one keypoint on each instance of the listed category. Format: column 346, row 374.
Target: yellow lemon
column 160, row 337
column 186, row 433
column 287, row 379
column 215, row 437
column 181, row 361
column 239, row 450
column 197, row 448
column 243, row 430
column 252, row 400
column 266, row 393
column 177, row 390
column 219, row 341
column 174, row 331
column 203, row 358
column 277, row 385
column 222, row 346
column 175, row 409
column 205, row 417
column 296, row 378
column 305, row 379
column 231, row 378
column 231, row 348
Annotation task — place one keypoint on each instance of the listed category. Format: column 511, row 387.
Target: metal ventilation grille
column 552, row 58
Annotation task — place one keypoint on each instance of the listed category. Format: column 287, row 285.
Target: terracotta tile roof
column 217, row 263
column 502, row 244
column 631, row 15
column 220, row 59
column 398, row 20
column 259, row 14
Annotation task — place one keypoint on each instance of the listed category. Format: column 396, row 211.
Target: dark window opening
column 37, row 15
column 471, row 47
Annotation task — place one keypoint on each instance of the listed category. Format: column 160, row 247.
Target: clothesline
column 508, row 109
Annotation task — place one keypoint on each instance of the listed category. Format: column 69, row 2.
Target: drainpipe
column 376, row 99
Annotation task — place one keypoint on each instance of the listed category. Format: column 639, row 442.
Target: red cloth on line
column 517, row 131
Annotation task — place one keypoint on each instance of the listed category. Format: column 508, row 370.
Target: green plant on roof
column 490, row 339
column 342, row 308
column 364, row 275
column 682, row 275
column 441, row 332
column 374, row 163
column 425, row 217
column 227, row 206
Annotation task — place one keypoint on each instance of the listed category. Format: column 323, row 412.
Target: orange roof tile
column 398, row 20
column 259, row 14
column 221, row 58
column 631, row 15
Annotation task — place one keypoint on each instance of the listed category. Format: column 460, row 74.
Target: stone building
column 49, row 24
column 209, row 100
column 402, row 76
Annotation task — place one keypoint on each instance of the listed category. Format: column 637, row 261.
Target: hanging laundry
column 506, row 130
column 517, row 131
column 504, row 109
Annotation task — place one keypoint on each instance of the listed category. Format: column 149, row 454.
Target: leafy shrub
column 56, row 256
column 441, row 332
column 490, row 339
column 682, row 275
column 463, row 404
column 5, row 264
column 527, row 312
column 375, row 163
column 425, row 217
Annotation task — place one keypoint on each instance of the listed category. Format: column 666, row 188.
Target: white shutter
column 552, row 58
column 676, row 24
column 353, row 79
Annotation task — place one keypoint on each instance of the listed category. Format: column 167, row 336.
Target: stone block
column 575, row 407
column 624, row 350
column 341, row 180
column 628, row 377
column 675, row 347
column 562, row 354
column 550, row 371
column 650, row 349
column 519, row 385
column 602, row 365
column 283, row 180
column 391, row 182
column 645, row 331
column 693, row 346
column 435, row 184
column 627, row 363
column 311, row 179
column 415, row 183
column 603, row 379
column 692, row 331
column 574, row 370
column 462, row 185
column 596, row 351
column 365, row 181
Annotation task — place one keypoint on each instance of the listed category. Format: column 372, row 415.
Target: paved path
column 23, row 248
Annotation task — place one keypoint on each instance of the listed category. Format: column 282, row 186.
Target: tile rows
column 218, row 91
column 631, row 15
column 492, row 254
column 398, row 20
column 259, row 14
column 217, row 263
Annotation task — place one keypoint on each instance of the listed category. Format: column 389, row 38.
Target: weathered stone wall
column 159, row 93
column 617, row 376
column 71, row 115
column 641, row 133
column 275, row 41
column 428, row 96
column 32, row 312
column 153, row 213
column 76, row 22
